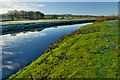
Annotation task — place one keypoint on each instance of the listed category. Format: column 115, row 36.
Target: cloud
column 6, row 6
column 38, row 5
column 5, row 0
column 59, row 0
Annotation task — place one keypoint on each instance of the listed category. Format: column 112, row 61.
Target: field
column 9, row 28
column 90, row 52
column 42, row 20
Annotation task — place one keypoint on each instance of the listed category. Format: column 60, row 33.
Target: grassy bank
column 90, row 52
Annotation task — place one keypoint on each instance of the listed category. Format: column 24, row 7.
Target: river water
column 20, row 49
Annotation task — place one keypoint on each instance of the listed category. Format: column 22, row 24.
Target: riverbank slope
column 90, row 52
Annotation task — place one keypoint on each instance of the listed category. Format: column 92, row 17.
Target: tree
column 34, row 16
column 25, row 14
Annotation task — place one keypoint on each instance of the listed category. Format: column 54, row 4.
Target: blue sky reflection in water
column 21, row 49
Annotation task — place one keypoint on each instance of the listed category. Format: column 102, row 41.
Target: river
column 20, row 49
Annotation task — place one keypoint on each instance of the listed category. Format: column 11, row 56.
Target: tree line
column 16, row 15
column 36, row 15
column 104, row 18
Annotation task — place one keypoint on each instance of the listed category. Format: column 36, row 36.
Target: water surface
column 21, row 49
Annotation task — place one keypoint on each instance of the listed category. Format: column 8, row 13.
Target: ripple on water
column 8, row 53
column 10, row 67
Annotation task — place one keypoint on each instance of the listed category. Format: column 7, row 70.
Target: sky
column 59, row 0
column 76, row 8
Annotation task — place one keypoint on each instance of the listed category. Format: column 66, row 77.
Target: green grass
column 90, row 52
